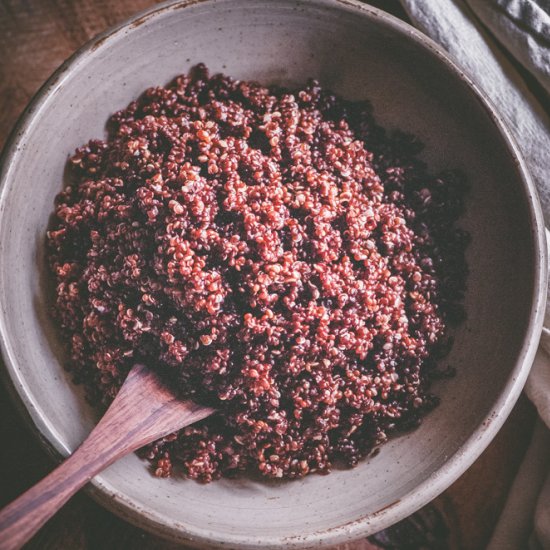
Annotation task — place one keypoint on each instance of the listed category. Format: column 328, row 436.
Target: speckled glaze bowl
column 360, row 53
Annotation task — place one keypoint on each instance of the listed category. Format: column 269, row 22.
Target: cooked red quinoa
column 273, row 252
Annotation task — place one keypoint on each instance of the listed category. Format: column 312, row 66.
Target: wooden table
column 35, row 37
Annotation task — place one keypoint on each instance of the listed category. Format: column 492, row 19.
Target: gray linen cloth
column 480, row 35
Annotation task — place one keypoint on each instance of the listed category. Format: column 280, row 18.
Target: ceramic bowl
column 360, row 53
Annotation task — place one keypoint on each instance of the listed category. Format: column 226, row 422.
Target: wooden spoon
column 143, row 410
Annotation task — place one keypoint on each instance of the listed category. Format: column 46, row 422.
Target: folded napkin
column 488, row 39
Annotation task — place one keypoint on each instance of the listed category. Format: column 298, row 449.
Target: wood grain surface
column 36, row 36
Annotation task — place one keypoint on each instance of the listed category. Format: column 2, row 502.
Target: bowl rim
column 146, row 517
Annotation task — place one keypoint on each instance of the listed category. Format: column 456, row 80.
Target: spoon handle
column 142, row 412
column 20, row 520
